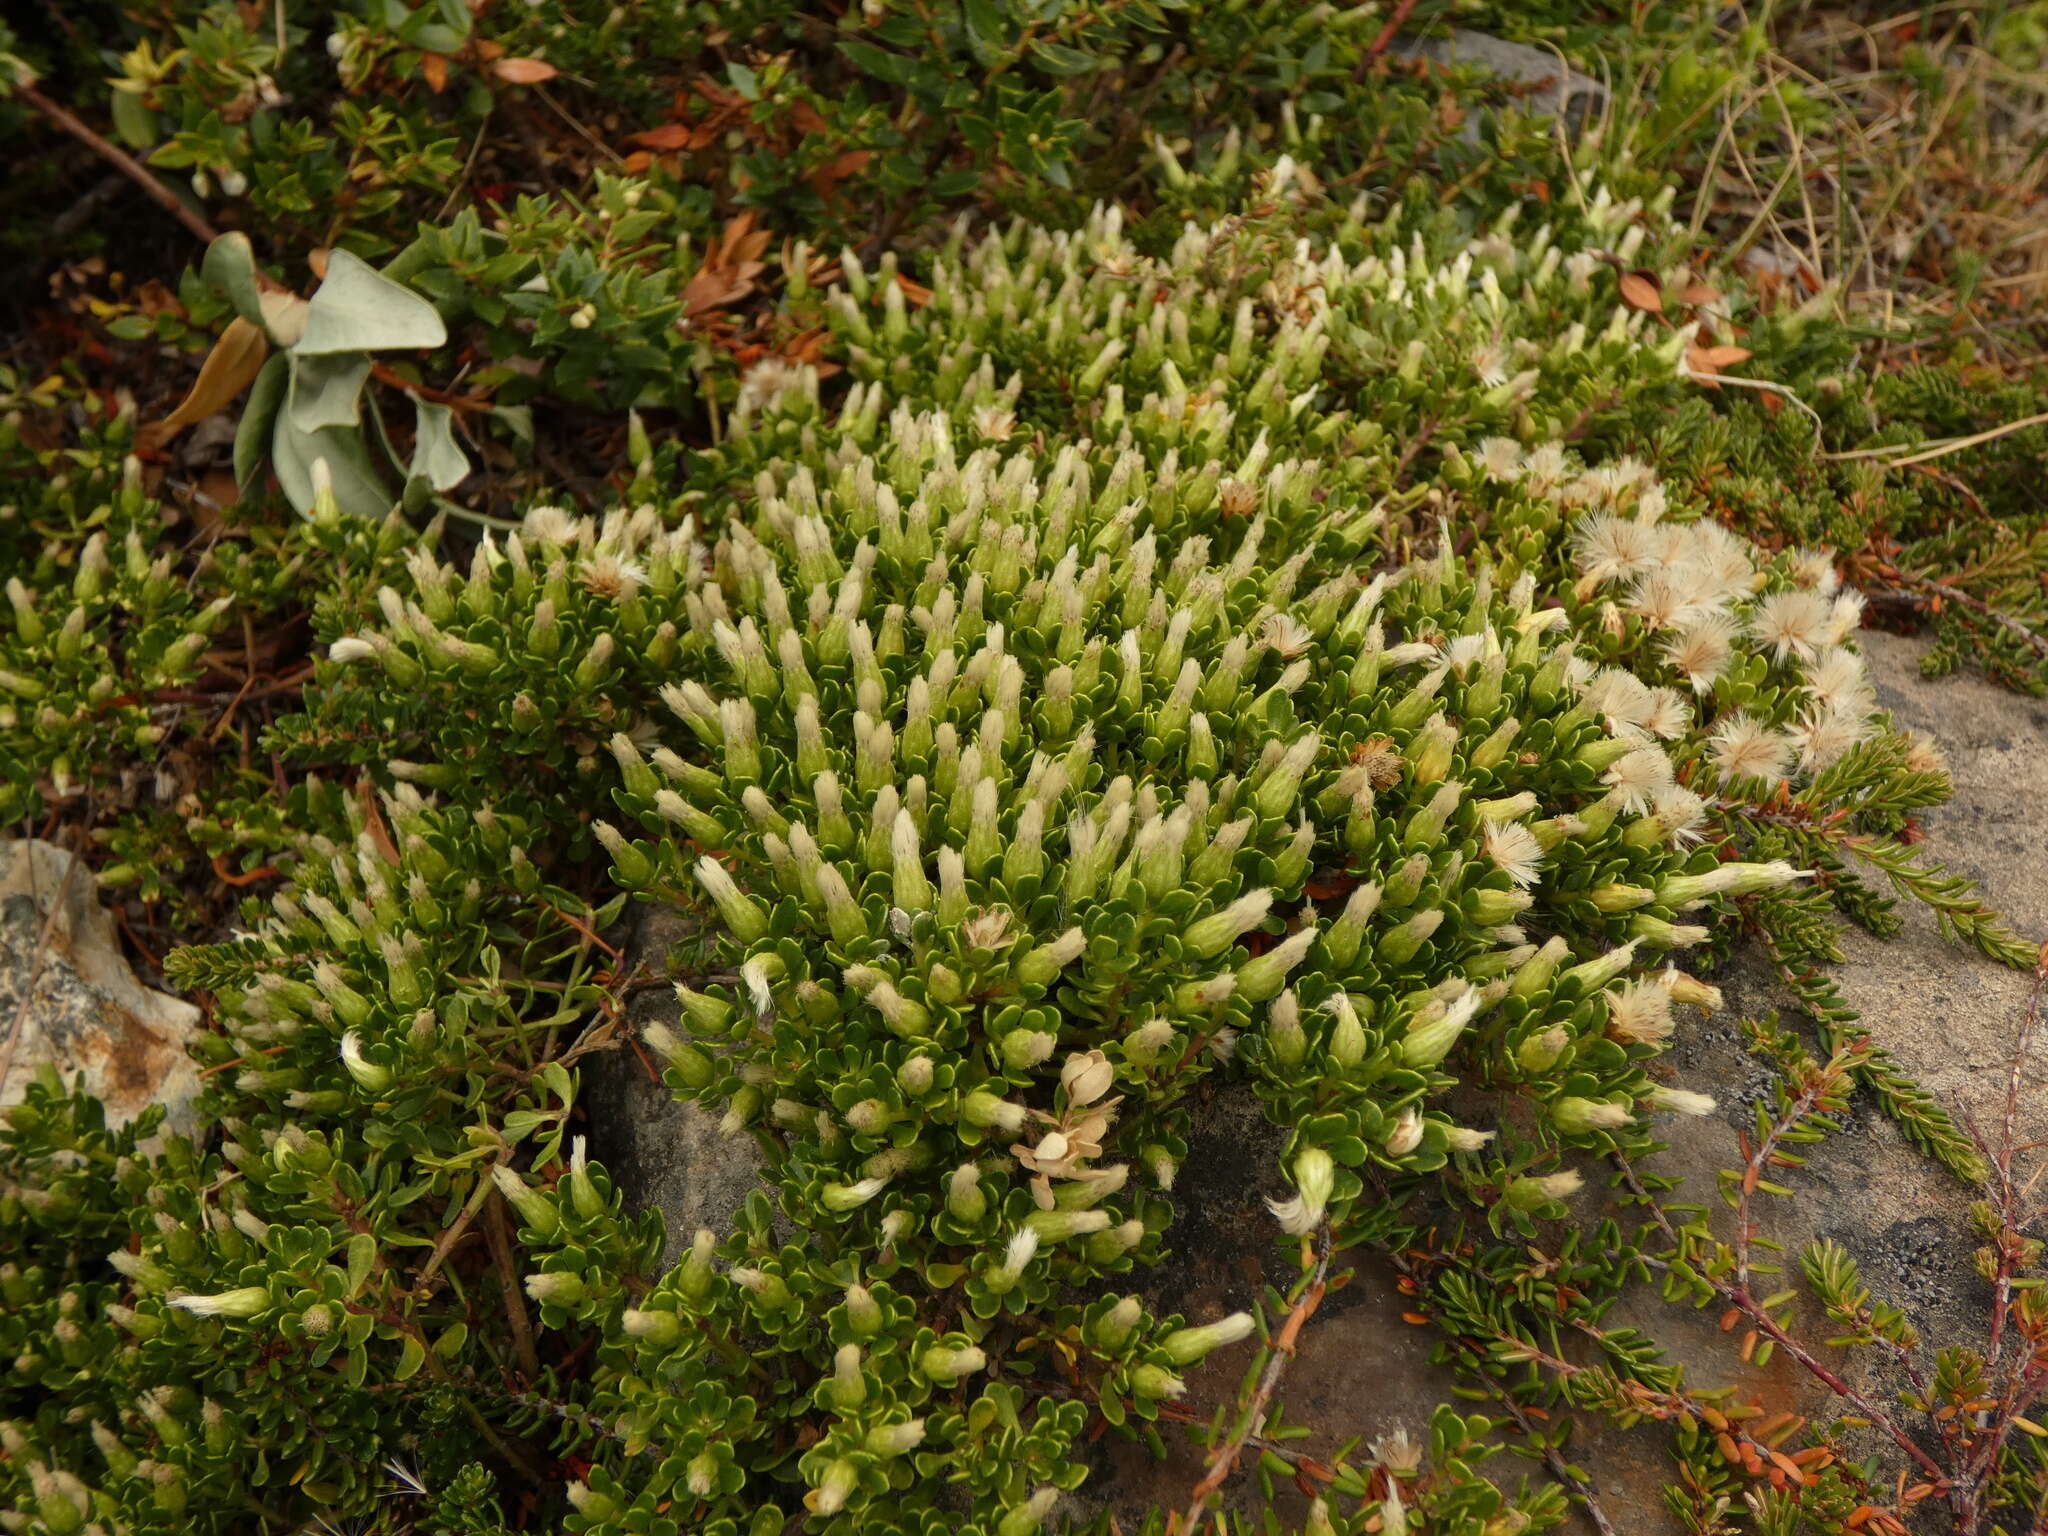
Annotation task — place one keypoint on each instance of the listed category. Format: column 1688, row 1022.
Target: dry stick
column 1940, row 447
column 1927, row 586
column 453, row 1235
column 1559, row 1468
column 1385, row 40
column 1250, row 1422
column 508, row 1280
column 2008, row 1141
column 119, row 158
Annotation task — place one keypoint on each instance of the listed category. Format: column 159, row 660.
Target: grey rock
column 1553, row 87
column 666, row 1156
column 68, row 997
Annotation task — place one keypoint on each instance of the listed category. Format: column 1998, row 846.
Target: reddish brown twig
column 121, row 160
column 1223, row 1460
column 1389, row 32
column 260, row 872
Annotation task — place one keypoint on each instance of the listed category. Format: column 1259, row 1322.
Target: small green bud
column 535, row 1208
column 1405, row 883
column 888, row 1440
column 563, row 1288
column 589, row 1503
column 1543, row 1050
column 1058, row 1226
column 742, row 915
column 247, row 1302
column 1315, row 1179
column 368, row 1075
column 986, row 1110
column 1490, row 908
column 1262, row 977
column 1030, row 1516
column 1023, row 1049
column 1617, row 897
column 763, row 1285
column 693, row 1066
column 1209, row 936
column 1593, row 975
column 1039, row 966
column 1156, row 1383
column 660, row 1330
column 1604, row 752
column 1113, row 1329
column 947, row 1366
column 1342, row 938
column 1397, row 946
column 1106, row 1247
column 1284, row 1034
column 1578, row 1117
column 1732, row 879
column 964, row 1197
column 634, row 869
column 1347, row 1032
column 1436, row 1030
column 1531, row 1194
column 1535, row 974
column 1186, row 1346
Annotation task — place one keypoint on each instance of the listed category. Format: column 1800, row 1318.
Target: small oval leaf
column 524, row 71
column 1640, row 290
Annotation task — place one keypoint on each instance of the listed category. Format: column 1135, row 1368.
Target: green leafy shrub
column 1062, row 718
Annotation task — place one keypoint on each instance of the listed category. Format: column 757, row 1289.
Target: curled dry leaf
column 1641, row 290
column 233, row 362
column 729, row 268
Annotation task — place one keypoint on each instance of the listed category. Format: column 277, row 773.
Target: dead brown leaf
column 667, row 136
column 728, row 270
column 227, row 371
column 826, row 178
column 1640, row 290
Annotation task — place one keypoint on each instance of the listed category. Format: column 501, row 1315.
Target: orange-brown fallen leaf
column 228, row 370
column 1641, row 290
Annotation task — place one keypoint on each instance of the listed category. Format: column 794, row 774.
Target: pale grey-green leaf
column 327, row 390
column 358, row 309
column 435, row 454
column 230, row 266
